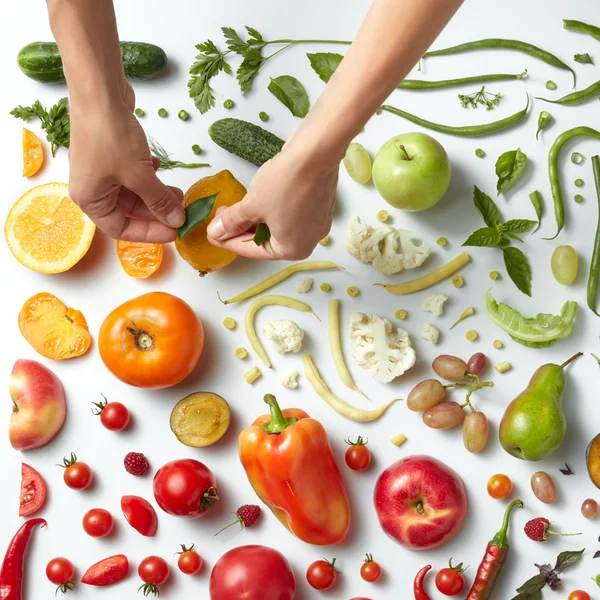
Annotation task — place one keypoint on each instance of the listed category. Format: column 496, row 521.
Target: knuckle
column 160, row 202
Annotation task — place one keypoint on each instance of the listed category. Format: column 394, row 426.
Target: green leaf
column 509, row 167
column 234, row 42
column 262, row 234
column 538, row 205
column 195, row 213
column 486, row 236
column 290, row 92
column 535, row 584
column 532, row 596
column 248, row 70
column 487, row 208
column 542, row 329
column 255, row 37
column 324, row 64
column 597, row 580
column 597, row 359
column 583, row 59
column 518, row 226
column 209, row 62
column 518, row 269
column 565, row 560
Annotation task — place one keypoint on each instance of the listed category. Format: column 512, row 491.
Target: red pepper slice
column 420, row 593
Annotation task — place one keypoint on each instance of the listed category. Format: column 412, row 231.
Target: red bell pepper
column 291, row 467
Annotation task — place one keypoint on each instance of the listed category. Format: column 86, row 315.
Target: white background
column 97, row 284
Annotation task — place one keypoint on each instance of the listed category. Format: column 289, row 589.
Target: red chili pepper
column 493, row 561
column 420, row 593
column 11, row 572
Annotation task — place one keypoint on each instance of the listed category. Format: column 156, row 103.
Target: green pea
column 263, row 116
column 550, row 85
column 479, row 153
column 139, row 112
column 183, row 115
column 196, row 149
column 578, row 198
column 579, row 182
column 162, row 112
column 228, row 104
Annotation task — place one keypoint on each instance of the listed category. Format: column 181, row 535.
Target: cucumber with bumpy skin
column 42, row 61
column 246, row 140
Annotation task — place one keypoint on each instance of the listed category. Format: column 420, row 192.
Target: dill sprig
column 157, row 151
column 487, row 99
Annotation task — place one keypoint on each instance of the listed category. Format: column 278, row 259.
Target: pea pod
column 543, row 122
column 577, row 97
column 582, row 27
column 504, row 44
column 553, row 172
column 463, row 131
column 422, row 85
column 592, row 288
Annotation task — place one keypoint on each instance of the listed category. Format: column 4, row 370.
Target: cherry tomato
column 33, row 491
column 60, row 571
column 358, row 456
column 98, row 522
column 321, row 574
column 189, row 561
column 152, row 341
column 370, row 570
column 140, row 514
column 579, row 595
column 113, row 415
column 186, row 488
column 153, row 571
column 450, row 580
column 77, row 475
column 499, row 486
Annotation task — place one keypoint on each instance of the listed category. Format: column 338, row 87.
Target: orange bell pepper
column 291, row 467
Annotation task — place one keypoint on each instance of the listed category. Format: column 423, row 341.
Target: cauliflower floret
column 285, row 335
column 289, row 380
column 431, row 333
column 389, row 250
column 304, row 285
column 384, row 353
column 434, row 303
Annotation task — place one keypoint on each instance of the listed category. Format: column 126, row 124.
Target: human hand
column 112, row 174
column 291, row 194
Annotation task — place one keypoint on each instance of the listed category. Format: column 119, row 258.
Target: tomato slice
column 108, row 571
column 140, row 514
column 33, row 491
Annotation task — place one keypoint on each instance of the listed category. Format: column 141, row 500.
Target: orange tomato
column 33, row 153
column 152, row 341
column 53, row 329
column 138, row 259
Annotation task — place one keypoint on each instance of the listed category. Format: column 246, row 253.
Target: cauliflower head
column 389, row 250
column 384, row 353
column 286, row 336
column 431, row 333
column 434, row 303
column 289, row 380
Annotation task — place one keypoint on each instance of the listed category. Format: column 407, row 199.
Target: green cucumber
column 246, row 140
column 41, row 61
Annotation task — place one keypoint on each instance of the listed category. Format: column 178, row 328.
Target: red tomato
column 185, row 488
column 33, row 491
column 450, row 581
column 321, row 574
column 152, row 341
column 113, row 415
column 107, row 572
column 140, row 514
column 60, row 571
column 370, row 571
column 358, row 456
column 252, row 573
column 579, row 595
column 97, row 522
column 153, row 571
column 77, row 475
column 499, row 487
column 189, row 562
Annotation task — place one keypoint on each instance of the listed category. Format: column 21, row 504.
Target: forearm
column 394, row 36
column 87, row 37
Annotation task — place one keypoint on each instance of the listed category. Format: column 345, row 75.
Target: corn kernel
column 442, row 241
column 401, row 314
column 494, row 275
column 471, row 335
column 252, row 375
column 229, row 323
column 458, row 281
column 241, row 353
column 503, row 367
column 498, row 344
column 352, row 291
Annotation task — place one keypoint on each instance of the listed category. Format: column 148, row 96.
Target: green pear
column 534, row 424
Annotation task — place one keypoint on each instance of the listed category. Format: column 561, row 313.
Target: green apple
column 412, row 171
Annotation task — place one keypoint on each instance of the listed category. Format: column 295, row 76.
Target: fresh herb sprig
column 211, row 61
column 157, row 151
column 583, row 59
column 487, row 99
column 499, row 234
column 55, row 122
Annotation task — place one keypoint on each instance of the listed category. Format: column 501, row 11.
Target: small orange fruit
column 195, row 247
column 33, row 153
column 53, row 329
column 138, row 259
column 46, row 231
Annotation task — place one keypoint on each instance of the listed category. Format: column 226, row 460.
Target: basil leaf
column 509, row 167
column 535, row 584
column 195, row 213
column 487, row 208
column 486, row 236
column 513, row 236
column 262, row 234
column 518, row 226
column 289, row 91
column 584, row 59
column 324, row 64
column 518, row 269
column 536, row 200
column 568, row 559
column 597, row 578
column 532, row 596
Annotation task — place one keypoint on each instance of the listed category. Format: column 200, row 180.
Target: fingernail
column 176, row 218
column 216, row 230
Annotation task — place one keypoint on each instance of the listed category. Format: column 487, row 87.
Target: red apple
column 40, row 407
column 420, row 502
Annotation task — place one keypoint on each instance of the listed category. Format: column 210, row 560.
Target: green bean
column 538, row 205
column 543, row 122
column 577, row 158
column 196, row 149
column 592, row 287
column 421, row 85
column 498, row 43
column 553, row 172
column 466, row 130
column 578, row 198
column 582, row 27
column 577, row 97
column 579, row 183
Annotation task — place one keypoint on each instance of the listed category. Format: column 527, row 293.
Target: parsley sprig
column 157, row 151
column 210, row 61
column 487, row 99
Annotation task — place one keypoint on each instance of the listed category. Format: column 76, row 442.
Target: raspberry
column 246, row 514
column 538, row 530
column 136, row 464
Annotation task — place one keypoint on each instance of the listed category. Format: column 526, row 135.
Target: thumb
column 162, row 201
column 231, row 222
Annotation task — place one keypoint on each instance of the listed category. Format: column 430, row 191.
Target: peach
column 40, row 407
